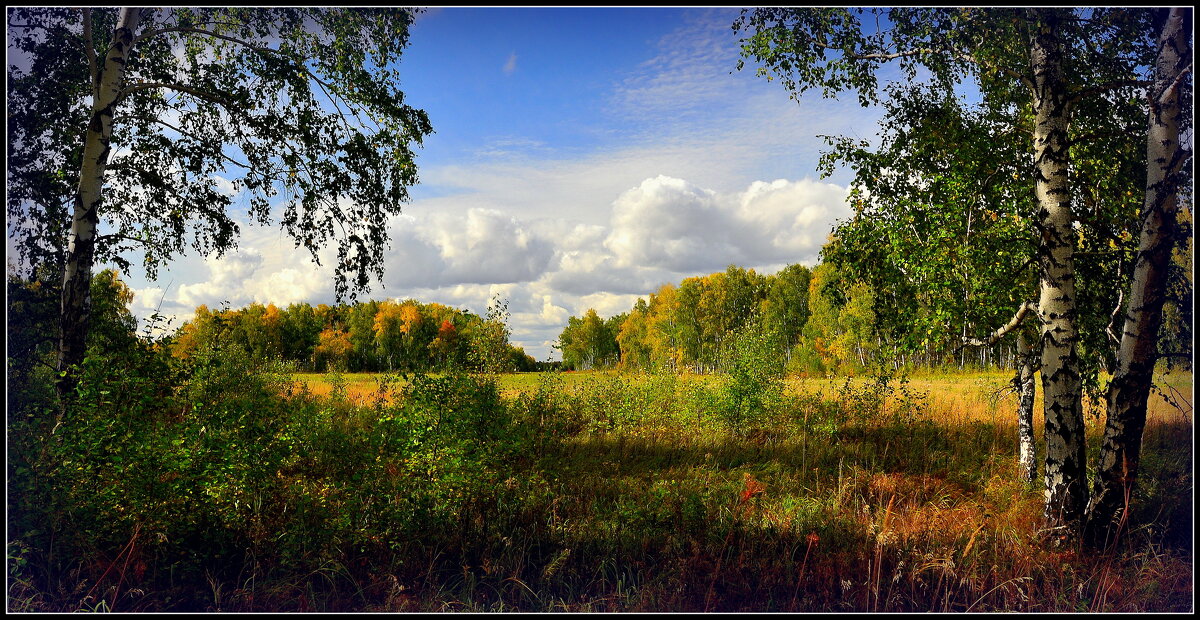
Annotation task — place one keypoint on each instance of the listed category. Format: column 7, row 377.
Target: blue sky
column 537, row 76
column 581, row 158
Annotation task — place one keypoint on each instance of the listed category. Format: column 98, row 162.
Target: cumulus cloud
column 487, row 248
column 225, row 186
column 785, row 220
column 289, row 286
column 491, row 247
column 606, row 304
column 580, row 273
column 670, row 223
column 414, row 259
column 226, row 282
column 677, row 226
column 658, row 231
column 552, row 315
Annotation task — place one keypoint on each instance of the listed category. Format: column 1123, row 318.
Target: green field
column 963, row 395
column 647, row 501
column 599, row 492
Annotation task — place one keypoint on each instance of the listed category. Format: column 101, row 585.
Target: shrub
column 750, row 395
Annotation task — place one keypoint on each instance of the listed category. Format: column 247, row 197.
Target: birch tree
column 1049, row 63
column 124, row 125
column 1129, row 390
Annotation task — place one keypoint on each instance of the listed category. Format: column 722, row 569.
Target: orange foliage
column 410, row 318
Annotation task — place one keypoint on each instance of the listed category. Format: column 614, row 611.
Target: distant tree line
column 370, row 336
column 692, row 326
column 822, row 320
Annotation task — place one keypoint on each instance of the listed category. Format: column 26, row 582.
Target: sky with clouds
column 581, row 158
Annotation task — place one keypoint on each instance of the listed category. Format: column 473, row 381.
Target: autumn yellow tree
column 333, row 350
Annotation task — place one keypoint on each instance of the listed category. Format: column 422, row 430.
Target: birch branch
column 89, row 47
column 1000, row 332
column 1113, row 319
column 963, row 56
column 1169, row 91
column 203, row 94
column 1107, row 86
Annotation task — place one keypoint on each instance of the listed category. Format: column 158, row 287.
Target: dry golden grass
column 953, row 397
column 361, row 388
column 668, row 514
column 987, row 396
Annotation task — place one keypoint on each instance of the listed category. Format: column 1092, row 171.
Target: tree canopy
column 1060, row 89
column 146, row 130
column 299, row 108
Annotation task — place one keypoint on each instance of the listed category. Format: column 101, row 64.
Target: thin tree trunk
column 1027, row 389
column 1065, row 474
column 77, row 271
column 1130, row 386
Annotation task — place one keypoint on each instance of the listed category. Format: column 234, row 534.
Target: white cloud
column 552, row 314
column 491, row 247
column 414, row 260
column 227, row 279
column 669, row 223
column 289, row 286
column 606, row 304
column 683, row 186
column 225, row 186
column 677, row 226
column 487, row 247
column 784, row 220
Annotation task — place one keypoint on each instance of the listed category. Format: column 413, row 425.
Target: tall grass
column 589, row 492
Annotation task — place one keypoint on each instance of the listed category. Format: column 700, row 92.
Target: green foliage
column 691, row 326
column 786, row 306
column 488, row 340
column 32, row 314
column 268, row 89
column 590, row 342
column 1175, row 338
column 227, row 464
column 947, row 241
column 755, row 388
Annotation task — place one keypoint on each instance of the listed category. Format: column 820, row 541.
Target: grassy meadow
column 953, row 397
column 582, row 492
column 857, row 496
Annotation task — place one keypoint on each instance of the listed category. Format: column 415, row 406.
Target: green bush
column 749, row 399
column 183, row 470
column 885, row 400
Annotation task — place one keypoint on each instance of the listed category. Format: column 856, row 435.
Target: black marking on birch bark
column 1065, row 370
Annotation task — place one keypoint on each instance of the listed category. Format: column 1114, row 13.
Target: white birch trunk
column 1130, row 386
column 1027, row 391
column 1065, row 474
column 81, row 248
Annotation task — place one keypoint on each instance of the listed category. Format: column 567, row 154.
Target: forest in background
column 194, row 472
column 367, row 336
column 818, row 320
